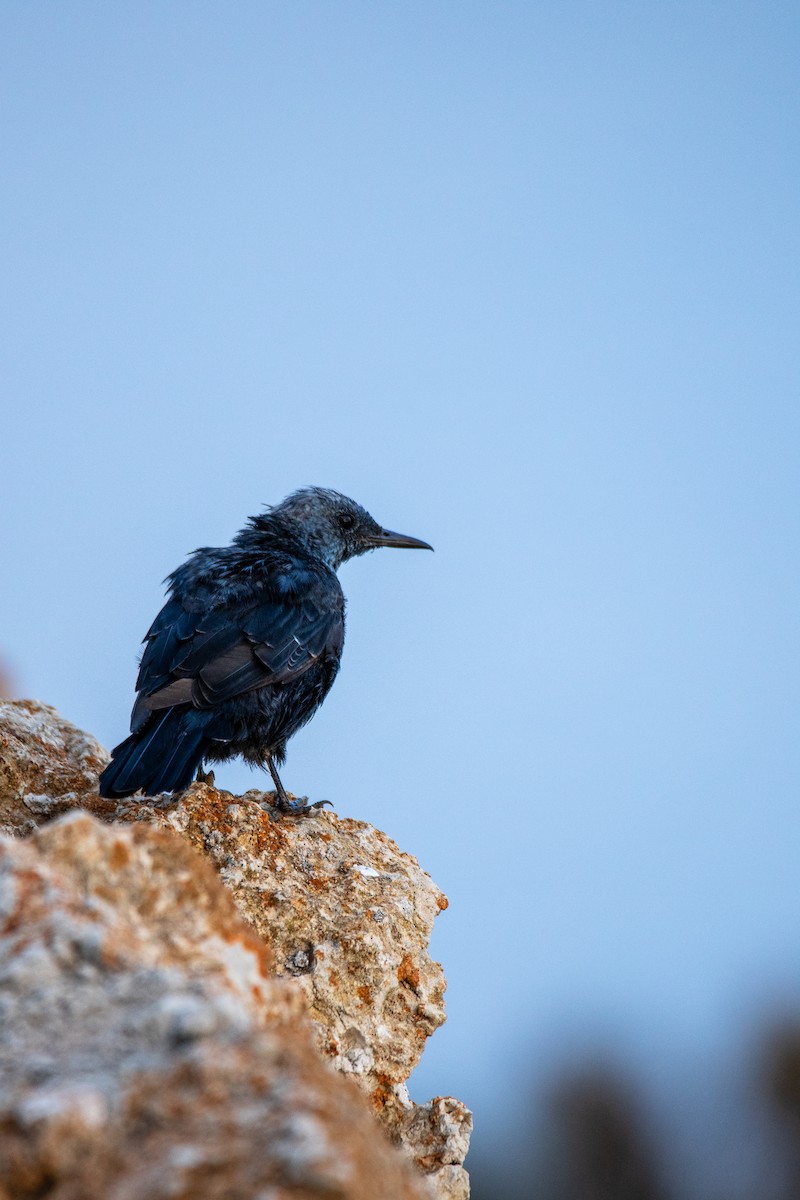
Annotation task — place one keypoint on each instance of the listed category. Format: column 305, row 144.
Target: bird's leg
column 282, row 802
column 204, row 776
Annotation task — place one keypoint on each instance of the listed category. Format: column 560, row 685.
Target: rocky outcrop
column 145, row 1050
column 314, row 940
column 44, row 761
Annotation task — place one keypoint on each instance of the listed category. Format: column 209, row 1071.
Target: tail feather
column 178, row 769
column 162, row 757
column 133, row 760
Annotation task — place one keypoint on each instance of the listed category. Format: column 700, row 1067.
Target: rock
column 42, row 758
column 145, row 1050
column 347, row 915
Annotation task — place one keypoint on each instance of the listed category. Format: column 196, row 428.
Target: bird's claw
column 204, row 776
column 299, row 807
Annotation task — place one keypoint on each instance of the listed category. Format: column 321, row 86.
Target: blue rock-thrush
column 246, row 647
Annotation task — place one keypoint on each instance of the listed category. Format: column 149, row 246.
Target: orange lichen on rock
column 407, row 973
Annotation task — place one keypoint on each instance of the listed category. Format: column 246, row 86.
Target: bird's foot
column 291, row 808
column 299, row 807
column 204, row 776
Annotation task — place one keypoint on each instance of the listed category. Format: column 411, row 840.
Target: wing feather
column 205, row 658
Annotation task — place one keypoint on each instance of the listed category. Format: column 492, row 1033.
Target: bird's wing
column 207, row 657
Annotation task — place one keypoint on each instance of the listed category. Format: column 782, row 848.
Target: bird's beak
column 387, row 538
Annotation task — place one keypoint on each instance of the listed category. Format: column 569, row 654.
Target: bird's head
column 335, row 528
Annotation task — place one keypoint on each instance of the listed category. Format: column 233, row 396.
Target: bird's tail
column 162, row 757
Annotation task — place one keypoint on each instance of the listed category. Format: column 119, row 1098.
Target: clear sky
column 522, row 278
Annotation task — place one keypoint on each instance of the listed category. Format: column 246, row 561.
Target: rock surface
column 346, row 914
column 171, row 1063
column 42, row 757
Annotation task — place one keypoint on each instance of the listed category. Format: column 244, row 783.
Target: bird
column 246, row 647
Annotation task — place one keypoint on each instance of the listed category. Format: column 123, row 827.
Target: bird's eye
column 346, row 520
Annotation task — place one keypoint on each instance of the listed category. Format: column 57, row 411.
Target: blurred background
column 522, row 278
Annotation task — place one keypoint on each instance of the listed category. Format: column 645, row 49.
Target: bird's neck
column 266, row 534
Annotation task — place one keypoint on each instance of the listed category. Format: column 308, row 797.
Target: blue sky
column 523, row 280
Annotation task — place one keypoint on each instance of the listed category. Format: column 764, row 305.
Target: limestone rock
column 145, row 1051
column 347, row 914
column 42, row 756
column 437, row 1136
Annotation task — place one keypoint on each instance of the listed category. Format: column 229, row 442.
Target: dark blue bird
column 246, row 647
